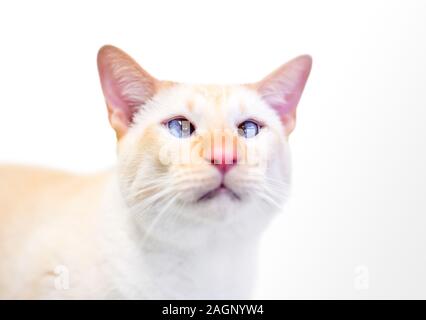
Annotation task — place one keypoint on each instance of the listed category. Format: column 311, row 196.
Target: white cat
column 201, row 171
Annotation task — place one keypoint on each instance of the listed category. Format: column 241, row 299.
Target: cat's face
column 205, row 152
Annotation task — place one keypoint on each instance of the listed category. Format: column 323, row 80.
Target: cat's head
column 209, row 153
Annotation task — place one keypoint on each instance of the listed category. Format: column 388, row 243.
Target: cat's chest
column 210, row 274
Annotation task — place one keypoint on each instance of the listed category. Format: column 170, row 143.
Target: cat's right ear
column 126, row 86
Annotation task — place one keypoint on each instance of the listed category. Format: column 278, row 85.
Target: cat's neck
column 220, row 267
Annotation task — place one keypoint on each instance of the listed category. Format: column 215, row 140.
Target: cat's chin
column 219, row 192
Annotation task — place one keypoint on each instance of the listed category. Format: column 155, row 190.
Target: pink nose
column 223, row 160
column 224, row 167
column 223, row 153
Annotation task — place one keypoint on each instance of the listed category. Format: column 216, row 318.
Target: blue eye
column 248, row 129
column 180, row 128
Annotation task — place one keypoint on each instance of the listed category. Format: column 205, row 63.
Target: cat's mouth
column 222, row 190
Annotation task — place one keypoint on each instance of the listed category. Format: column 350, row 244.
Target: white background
column 355, row 224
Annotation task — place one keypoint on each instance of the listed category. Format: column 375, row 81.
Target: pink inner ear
column 125, row 84
column 283, row 88
column 114, row 99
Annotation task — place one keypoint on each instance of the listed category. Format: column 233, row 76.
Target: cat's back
column 29, row 190
column 44, row 216
column 29, row 196
column 21, row 187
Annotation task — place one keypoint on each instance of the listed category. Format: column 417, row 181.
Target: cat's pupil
column 248, row 129
column 181, row 127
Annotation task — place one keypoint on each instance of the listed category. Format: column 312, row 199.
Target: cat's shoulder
column 20, row 184
column 21, row 179
column 14, row 174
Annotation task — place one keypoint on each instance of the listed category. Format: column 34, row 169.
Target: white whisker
column 158, row 218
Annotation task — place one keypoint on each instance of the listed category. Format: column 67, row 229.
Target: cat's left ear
column 283, row 88
column 126, row 86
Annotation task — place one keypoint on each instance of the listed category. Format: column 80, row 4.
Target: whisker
column 149, row 202
column 269, row 196
column 158, row 218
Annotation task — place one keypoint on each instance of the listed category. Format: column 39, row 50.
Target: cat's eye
column 249, row 129
column 180, row 127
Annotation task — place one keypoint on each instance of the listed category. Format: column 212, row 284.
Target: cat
column 201, row 172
